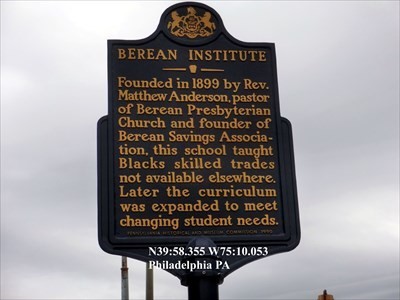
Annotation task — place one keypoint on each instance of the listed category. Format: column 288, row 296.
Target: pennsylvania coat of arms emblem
column 191, row 25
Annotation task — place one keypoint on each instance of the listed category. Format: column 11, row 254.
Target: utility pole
column 124, row 279
column 149, row 282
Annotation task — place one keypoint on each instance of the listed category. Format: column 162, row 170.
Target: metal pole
column 124, row 279
column 203, row 288
column 149, row 282
column 202, row 284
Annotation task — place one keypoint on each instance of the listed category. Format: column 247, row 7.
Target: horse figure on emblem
column 191, row 25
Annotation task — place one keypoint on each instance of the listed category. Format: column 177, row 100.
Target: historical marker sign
column 194, row 144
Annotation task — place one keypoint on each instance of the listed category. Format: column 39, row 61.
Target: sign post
column 196, row 167
column 202, row 283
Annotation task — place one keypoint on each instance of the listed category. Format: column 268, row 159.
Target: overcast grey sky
column 338, row 71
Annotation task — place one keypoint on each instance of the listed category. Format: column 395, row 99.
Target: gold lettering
column 127, row 122
column 266, row 221
column 121, row 54
column 197, row 163
column 151, row 223
column 142, row 109
column 227, row 112
column 198, row 206
column 181, row 124
column 234, row 124
column 260, row 206
column 255, row 152
column 244, row 138
column 192, row 137
column 137, row 193
column 130, row 178
column 126, row 150
column 154, row 83
column 173, row 177
column 195, row 97
column 201, row 151
column 164, row 150
column 204, row 138
column 141, row 53
column 227, row 55
column 209, row 221
column 125, row 207
column 147, row 54
column 130, row 163
column 140, row 96
column 252, row 165
column 237, row 192
column 123, row 136
column 243, row 177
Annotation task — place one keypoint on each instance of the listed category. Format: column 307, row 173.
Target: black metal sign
column 194, row 146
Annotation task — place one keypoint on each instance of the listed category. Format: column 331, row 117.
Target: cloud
column 338, row 68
